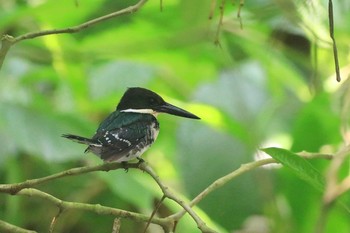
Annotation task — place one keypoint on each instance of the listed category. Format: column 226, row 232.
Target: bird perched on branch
column 132, row 128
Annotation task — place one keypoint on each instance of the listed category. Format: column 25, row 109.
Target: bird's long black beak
column 173, row 110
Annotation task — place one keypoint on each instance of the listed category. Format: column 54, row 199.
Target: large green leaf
column 298, row 165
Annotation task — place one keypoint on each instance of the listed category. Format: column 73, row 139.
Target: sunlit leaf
column 298, row 165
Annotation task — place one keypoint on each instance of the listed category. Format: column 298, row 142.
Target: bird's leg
column 125, row 163
column 125, row 166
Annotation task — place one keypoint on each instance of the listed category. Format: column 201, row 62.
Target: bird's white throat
column 144, row 111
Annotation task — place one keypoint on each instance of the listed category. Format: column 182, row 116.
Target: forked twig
column 8, row 41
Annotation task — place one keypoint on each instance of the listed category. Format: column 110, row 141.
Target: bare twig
column 222, row 181
column 7, row 227
column 241, row 170
column 154, row 212
column 14, row 188
column 331, row 33
column 308, row 155
column 8, row 41
column 241, row 4
column 96, row 208
column 221, row 19
column 54, row 220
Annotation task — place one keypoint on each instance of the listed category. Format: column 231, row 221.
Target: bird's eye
column 152, row 100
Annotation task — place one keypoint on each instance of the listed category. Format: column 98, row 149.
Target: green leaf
column 298, row 165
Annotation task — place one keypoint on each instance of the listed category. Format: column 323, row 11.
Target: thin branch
column 154, row 212
column 225, row 179
column 96, row 208
column 331, row 33
column 241, row 170
column 308, row 155
column 78, row 28
column 54, row 220
column 7, row 227
column 221, row 20
column 222, row 181
column 8, row 41
column 241, row 5
column 14, row 188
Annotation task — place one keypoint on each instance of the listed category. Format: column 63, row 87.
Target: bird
column 132, row 128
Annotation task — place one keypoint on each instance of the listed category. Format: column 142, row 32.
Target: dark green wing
column 119, row 119
column 123, row 134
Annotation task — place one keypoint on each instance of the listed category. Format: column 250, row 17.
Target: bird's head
column 141, row 100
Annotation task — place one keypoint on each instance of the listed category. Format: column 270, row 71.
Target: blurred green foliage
column 268, row 83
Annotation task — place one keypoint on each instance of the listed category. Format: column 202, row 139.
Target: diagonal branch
column 222, row 181
column 8, row 41
column 96, row 208
column 241, row 170
column 14, row 188
column 7, row 227
column 167, row 193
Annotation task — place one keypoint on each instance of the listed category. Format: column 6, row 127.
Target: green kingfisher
column 132, row 128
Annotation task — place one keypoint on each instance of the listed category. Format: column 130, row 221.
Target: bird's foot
column 141, row 163
column 140, row 160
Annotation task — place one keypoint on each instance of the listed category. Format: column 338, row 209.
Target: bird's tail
column 78, row 139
